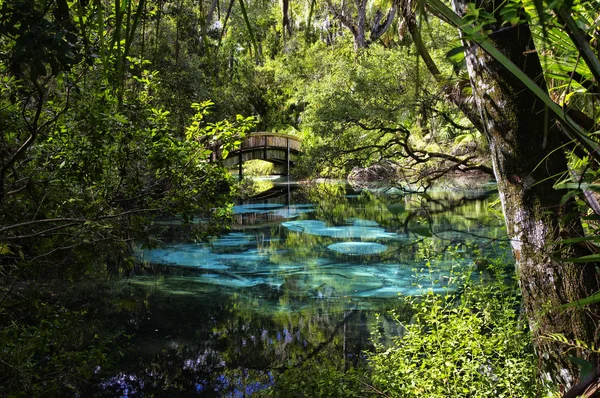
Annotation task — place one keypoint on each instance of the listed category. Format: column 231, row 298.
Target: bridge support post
column 287, row 157
column 265, row 149
column 240, row 168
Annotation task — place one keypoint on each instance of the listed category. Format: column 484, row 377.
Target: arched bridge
column 272, row 147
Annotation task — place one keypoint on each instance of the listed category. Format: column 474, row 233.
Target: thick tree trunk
column 523, row 144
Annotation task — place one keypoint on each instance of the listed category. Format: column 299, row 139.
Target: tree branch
column 448, row 119
column 75, row 220
column 417, row 155
column 41, row 233
column 377, row 29
column 44, row 221
column 347, row 22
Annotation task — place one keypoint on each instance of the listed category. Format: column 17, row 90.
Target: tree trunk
column 287, row 24
column 211, row 11
column 359, row 37
column 358, row 25
column 524, row 145
column 157, row 32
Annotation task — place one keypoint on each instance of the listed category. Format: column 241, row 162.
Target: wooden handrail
column 270, row 140
column 262, row 133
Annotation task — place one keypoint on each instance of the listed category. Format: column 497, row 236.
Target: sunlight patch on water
column 255, row 273
column 320, row 228
column 362, row 223
column 357, row 248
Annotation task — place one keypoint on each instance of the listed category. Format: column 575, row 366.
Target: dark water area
column 303, row 272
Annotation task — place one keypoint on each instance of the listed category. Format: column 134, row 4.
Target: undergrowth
column 471, row 344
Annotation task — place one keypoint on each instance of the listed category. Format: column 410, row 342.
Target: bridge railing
column 271, row 140
column 273, row 147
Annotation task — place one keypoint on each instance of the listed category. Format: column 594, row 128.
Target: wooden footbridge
column 276, row 148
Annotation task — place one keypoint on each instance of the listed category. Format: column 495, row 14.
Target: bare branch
column 75, row 220
column 44, row 221
column 341, row 16
column 17, row 190
column 448, row 119
column 42, row 233
column 379, row 29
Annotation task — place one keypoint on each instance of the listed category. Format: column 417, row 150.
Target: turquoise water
column 365, row 245
column 300, row 267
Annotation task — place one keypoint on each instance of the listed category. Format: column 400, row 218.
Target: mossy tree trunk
column 524, row 144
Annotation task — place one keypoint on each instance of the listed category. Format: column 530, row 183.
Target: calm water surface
column 301, row 273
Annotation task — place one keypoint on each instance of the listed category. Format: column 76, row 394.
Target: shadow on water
column 302, row 273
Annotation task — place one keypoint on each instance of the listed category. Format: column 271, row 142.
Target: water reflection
column 300, row 275
column 342, row 245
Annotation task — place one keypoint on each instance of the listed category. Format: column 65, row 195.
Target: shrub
column 467, row 345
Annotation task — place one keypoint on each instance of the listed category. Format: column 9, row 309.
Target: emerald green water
column 301, row 273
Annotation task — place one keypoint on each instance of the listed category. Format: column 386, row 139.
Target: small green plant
column 470, row 344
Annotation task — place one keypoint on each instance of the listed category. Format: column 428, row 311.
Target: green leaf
column 559, row 337
column 594, row 298
column 456, row 51
column 592, row 258
column 568, row 196
column 585, row 367
column 576, row 240
column 583, row 45
column 5, row 250
column 579, row 186
column 463, row 137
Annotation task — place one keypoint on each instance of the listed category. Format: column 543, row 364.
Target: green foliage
column 324, row 376
column 104, row 163
column 469, row 345
column 58, row 345
column 93, row 148
column 45, row 38
column 258, row 167
column 223, row 136
column 51, row 342
column 355, row 110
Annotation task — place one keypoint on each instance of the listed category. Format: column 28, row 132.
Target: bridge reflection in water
column 276, row 148
column 268, row 207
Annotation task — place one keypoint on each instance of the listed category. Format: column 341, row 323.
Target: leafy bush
column 471, row 346
column 257, row 167
column 55, row 340
column 323, row 377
